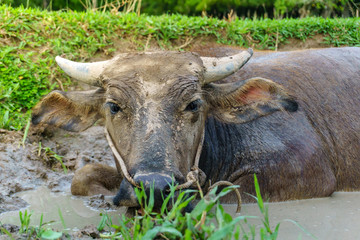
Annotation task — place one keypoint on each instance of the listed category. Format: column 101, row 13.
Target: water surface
column 335, row 217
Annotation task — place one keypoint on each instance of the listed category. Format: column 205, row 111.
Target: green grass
column 26, row 231
column 30, row 39
column 50, row 158
column 208, row 219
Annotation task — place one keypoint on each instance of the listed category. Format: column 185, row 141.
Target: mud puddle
column 332, row 218
column 335, row 217
column 77, row 212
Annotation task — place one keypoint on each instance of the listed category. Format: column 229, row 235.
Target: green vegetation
column 29, row 232
column 30, row 39
column 50, row 158
column 25, row 221
column 173, row 223
column 207, row 220
column 216, row 8
column 253, row 8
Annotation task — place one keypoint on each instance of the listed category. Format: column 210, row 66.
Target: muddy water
column 336, row 217
column 332, row 218
column 74, row 210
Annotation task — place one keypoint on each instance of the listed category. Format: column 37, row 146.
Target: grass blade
column 301, row 228
column 61, row 218
column 26, row 132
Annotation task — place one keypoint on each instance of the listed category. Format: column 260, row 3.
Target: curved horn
column 218, row 68
column 85, row 72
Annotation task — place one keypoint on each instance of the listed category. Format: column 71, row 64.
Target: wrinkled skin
column 156, row 107
column 317, row 149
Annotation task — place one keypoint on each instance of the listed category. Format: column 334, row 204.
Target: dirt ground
column 26, row 167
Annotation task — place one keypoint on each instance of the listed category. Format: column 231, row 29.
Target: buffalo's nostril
column 160, row 184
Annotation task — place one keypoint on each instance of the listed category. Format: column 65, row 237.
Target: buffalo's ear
column 244, row 101
column 73, row 111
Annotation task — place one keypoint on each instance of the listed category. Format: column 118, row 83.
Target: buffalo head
column 155, row 106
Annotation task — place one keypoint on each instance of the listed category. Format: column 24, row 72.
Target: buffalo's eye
column 193, row 106
column 114, row 108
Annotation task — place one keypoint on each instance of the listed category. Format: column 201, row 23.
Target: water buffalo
column 290, row 117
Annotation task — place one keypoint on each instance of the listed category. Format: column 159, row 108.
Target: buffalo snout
column 159, row 182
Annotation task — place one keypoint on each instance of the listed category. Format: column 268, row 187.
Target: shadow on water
column 335, row 217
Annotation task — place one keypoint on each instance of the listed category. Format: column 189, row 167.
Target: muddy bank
column 36, row 163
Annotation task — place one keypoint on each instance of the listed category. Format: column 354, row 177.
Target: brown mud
column 29, row 166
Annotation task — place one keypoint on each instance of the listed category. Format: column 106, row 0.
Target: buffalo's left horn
column 218, row 68
column 85, row 72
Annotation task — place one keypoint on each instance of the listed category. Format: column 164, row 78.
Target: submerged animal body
column 308, row 153
column 290, row 117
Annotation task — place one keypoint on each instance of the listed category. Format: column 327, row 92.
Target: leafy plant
column 22, row 83
column 170, row 221
column 24, row 221
column 105, row 221
column 207, row 220
column 38, row 232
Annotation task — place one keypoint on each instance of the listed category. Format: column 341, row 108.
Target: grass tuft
column 207, row 220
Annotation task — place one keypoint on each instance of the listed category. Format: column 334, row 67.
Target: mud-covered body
column 251, row 120
column 309, row 153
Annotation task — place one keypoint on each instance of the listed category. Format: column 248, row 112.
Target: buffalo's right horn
column 85, row 72
column 218, row 68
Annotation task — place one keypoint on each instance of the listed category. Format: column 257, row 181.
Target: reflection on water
column 336, row 217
